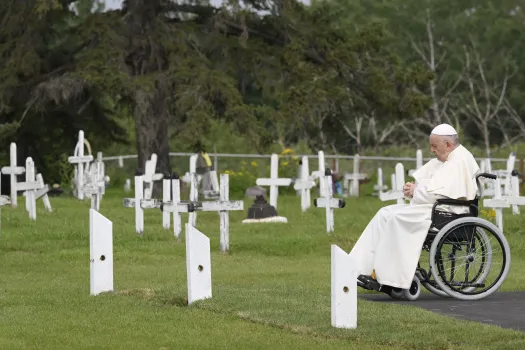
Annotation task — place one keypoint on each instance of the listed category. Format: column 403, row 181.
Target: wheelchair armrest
column 456, row 202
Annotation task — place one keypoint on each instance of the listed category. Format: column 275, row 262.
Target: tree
column 42, row 103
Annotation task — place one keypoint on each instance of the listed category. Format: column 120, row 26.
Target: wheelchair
column 468, row 256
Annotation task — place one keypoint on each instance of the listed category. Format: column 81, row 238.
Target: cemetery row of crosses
column 90, row 183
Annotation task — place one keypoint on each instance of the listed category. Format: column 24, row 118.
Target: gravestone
column 255, row 191
column 261, row 211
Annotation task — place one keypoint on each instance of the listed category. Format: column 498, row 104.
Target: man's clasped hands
column 408, row 189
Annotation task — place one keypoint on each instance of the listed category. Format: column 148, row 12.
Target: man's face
column 440, row 147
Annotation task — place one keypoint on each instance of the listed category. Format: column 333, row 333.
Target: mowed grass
column 271, row 291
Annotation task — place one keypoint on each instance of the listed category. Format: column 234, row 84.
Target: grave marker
column 274, row 181
column 79, row 159
column 166, row 197
column 396, row 193
column 320, row 173
column 380, row 187
column 223, row 206
column 198, row 265
column 30, row 186
column 13, row 170
column 149, row 177
column 343, row 289
column 304, row 184
column 328, row 202
column 419, row 162
column 497, row 203
column 353, row 178
column 101, row 253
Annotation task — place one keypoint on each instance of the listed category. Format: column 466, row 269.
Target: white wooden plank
column 101, row 253
column 198, row 265
column 343, row 289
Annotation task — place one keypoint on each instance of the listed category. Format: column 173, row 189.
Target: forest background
column 259, row 76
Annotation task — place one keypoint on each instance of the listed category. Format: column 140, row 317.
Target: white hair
column 454, row 139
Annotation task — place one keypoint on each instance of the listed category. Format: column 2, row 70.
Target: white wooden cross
column 396, row 193
column 13, row 170
column 175, row 206
column 328, row 202
column 132, row 202
column 508, row 174
column 166, row 197
column 171, row 203
column 34, row 188
column 504, row 174
column 150, row 176
column 497, row 203
column 515, row 193
column 320, row 173
column 274, row 181
column 488, row 186
column 419, row 162
column 304, row 184
column 380, row 187
column 80, row 159
column 353, row 178
column 223, row 206
column 95, row 184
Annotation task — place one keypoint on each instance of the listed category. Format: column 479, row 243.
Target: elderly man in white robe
column 387, row 253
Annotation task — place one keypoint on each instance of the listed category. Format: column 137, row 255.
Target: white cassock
column 391, row 243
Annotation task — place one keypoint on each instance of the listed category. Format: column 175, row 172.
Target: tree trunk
column 151, row 125
column 486, row 139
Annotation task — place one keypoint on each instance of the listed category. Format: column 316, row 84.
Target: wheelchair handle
column 487, row 175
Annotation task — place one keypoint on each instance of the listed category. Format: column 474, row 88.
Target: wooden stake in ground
column 101, row 253
column 198, row 265
column 344, row 289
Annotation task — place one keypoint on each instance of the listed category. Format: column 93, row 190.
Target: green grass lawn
column 271, row 291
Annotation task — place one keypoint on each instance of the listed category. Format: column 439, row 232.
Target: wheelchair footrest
column 367, row 282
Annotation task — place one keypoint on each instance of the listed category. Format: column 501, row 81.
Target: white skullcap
column 444, row 130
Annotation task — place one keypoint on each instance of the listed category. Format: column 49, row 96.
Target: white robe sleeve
column 421, row 196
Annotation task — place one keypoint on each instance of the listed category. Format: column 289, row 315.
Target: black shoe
column 368, row 282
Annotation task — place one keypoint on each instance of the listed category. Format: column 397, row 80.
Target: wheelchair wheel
column 410, row 294
column 469, row 258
